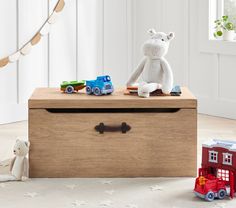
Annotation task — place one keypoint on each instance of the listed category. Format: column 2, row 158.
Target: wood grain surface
column 36, row 39
column 54, row 98
column 67, row 145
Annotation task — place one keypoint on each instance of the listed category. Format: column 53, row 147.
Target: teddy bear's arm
column 12, row 163
column 135, row 75
column 167, row 84
column 25, row 168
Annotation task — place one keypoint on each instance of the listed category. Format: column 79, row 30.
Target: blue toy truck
column 101, row 86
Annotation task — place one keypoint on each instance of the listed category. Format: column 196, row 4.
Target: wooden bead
column 36, row 39
column 26, row 49
column 14, row 57
column 45, row 29
column 53, row 18
column 4, row 62
column 60, row 5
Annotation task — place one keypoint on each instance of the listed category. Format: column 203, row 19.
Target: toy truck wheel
column 209, row 196
column 97, row 91
column 221, row 194
column 69, row 89
column 88, row 90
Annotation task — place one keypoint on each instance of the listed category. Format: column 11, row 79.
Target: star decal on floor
column 156, row 188
column 106, row 203
column 107, row 182
column 4, row 164
column 77, row 203
column 132, row 206
column 219, row 205
column 110, row 192
column 71, row 186
column 31, row 194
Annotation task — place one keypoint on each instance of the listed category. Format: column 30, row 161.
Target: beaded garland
column 44, row 30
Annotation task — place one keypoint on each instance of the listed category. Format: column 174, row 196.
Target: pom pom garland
column 44, row 30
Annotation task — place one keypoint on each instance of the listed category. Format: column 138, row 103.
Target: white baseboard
column 217, row 107
column 10, row 113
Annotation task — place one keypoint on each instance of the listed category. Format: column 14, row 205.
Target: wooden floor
column 208, row 128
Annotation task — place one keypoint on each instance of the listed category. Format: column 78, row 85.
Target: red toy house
column 218, row 172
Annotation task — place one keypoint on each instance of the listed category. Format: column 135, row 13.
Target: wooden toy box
column 112, row 136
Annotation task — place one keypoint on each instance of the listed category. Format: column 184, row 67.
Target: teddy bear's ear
column 27, row 144
column 170, row 36
column 152, row 32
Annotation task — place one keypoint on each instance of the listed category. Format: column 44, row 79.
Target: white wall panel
column 211, row 75
column 62, row 45
column 8, row 75
column 175, row 19
column 33, row 68
column 147, row 14
column 95, row 37
column 130, row 35
column 227, row 75
column 90, row 38
column 8, row 43
column 202, row 67
column 166, row 16
column 202, row 78
column 116, row 41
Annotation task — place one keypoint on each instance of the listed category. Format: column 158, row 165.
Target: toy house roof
column 230, row 145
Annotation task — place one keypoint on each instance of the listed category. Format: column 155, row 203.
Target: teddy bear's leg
column 166, row 90
column 151, row 87
column 145, row 89
column 167, row 84
column 141, row 92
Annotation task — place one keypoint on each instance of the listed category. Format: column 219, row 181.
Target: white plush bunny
column 154, row 68
column 19, row 164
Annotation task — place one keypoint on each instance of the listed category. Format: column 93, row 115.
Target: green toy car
column 70, row 87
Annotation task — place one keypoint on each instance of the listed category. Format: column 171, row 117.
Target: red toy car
column 209, row 187
column 216, row 177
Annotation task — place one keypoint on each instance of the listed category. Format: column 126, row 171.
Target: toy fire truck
column 216, row 177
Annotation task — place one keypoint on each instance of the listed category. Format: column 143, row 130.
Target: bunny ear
column 170, row 36
column 152, row 32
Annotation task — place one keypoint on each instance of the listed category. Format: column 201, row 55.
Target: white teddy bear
column 154, row 68
column 19, row 164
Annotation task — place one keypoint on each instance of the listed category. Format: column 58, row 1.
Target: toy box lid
column 54, row 98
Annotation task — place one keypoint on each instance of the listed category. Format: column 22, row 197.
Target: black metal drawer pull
column 101, row 128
